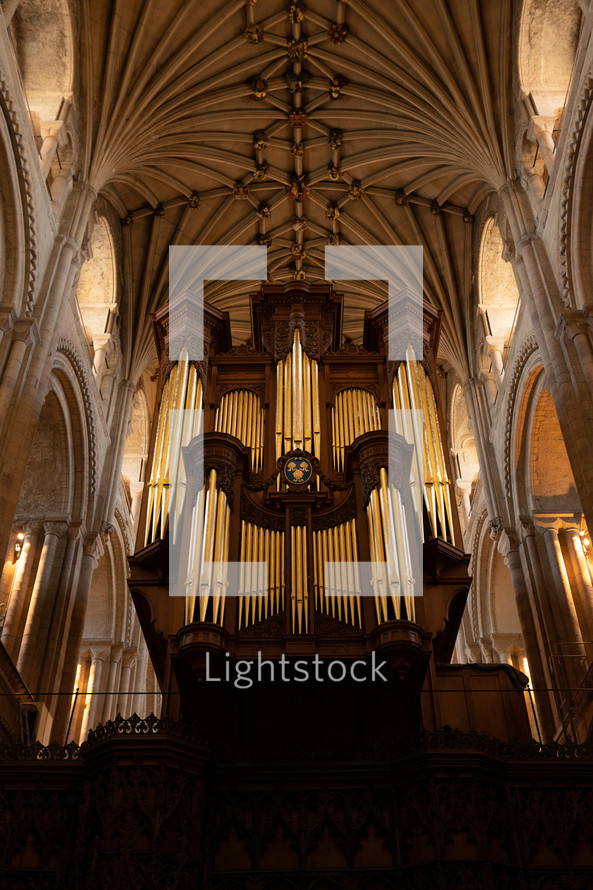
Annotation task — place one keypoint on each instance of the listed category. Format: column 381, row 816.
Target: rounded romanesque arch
column 18, row 243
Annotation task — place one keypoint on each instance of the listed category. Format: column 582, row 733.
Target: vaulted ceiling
column 380, row 122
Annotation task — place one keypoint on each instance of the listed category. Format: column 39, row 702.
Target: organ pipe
column 413, row 391
column 322, row 563
column 179, row 421
column 297, row 402
column 240, row 414
column 354, row 412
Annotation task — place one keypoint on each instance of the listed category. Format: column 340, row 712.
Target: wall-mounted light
column 18, row 545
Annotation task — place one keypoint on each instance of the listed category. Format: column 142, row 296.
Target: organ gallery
column 293, row 539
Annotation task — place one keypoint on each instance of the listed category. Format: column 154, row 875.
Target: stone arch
column 100, row 615
column 136, row 450
column 49, row 494
column 543, row 480
column 577, row 209
column 466, row 468
column 17, row 222
column 73, row 365
column 495, row 626
column 68, row 371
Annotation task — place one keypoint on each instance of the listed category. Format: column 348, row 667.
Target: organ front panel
column 294, row 435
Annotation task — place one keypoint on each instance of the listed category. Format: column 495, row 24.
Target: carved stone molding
column 9, row 109
column 573, row 144
column 81, row 373
column 514, row 377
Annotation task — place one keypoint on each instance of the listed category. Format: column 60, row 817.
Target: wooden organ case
column 295, row 494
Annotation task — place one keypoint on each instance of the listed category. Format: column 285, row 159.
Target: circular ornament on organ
column 297, row 470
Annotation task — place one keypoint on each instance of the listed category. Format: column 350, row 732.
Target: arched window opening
column 499, row 302
column 556, row 548
column 41, row 33
column 465, row 455
column 97, row 302
column 136, row 453
column 548, row 38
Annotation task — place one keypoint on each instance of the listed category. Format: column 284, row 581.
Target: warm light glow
column 20, row 536
column 586, row 542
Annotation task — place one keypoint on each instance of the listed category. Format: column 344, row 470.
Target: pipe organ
column 290, row 510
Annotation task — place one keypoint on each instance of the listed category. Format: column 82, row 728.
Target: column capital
column 558, row 521
column 51, row 129
column 494, row 344
column 117, row 652
column 26, row 329
column 508, row 543
column 59, row 528
column 495, row 528
column 527, row 525
column 129, row 658
column 8, row 317
column 573, row 322
column 538, row 125
column 93, row 546
column 99, row 653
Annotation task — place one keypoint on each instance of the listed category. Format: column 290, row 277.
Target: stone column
column 128, row 661
column 136, row 491
column 584, row 589
column 534, row 642
column 50, row 133
column 54, row 658
column 81, row 704
column 540, row 131
column 34, row 637
column 464, row 489
column 102, row 341
column 25, row 333
column 92, row 551
column 495, row 347
column 112, row 683
column 19, row 594
column 574, row 326
column 99, row 657
column 570, row 653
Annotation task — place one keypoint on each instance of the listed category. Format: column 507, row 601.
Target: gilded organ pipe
column 240, row 414
column 412, row 390
column 179, row 421
column 354, row 412
column 338, row 592
column 261, row 591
